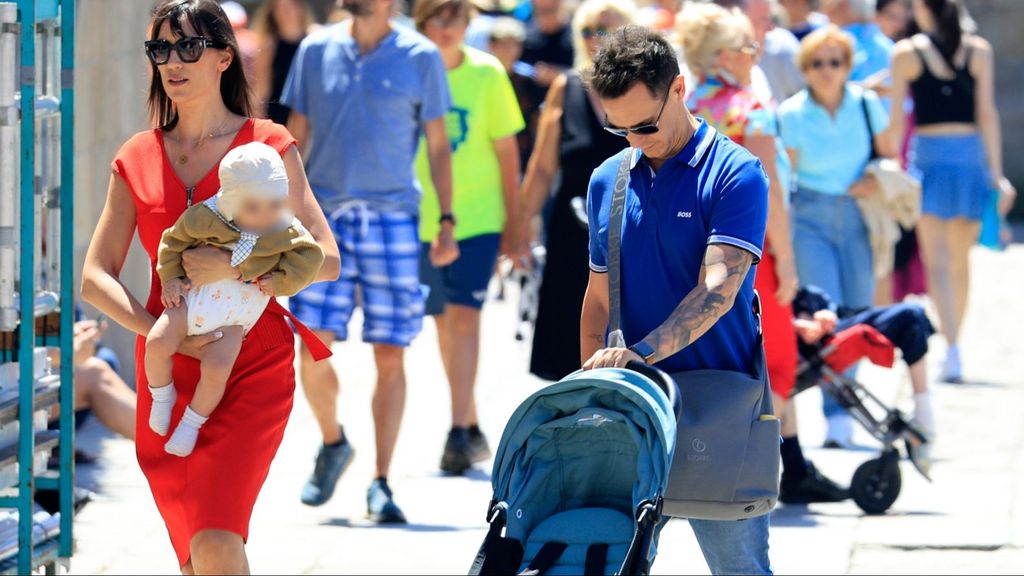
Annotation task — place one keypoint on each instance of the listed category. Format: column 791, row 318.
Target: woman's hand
column 1007, row 196
column 266, row 285
column 789, row 283
column 866, row 187
column 207, row 264
column 87, row 335
column 193, row 345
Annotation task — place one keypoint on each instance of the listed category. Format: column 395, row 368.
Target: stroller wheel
column 876, row 483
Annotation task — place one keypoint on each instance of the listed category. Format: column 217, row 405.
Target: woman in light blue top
column 825, row 131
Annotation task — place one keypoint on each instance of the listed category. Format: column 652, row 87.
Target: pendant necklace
column 183, row 158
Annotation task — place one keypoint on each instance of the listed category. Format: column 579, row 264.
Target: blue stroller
column 579, row 476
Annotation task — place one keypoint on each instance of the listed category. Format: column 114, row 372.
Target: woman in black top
column 571, row 138
column 957, row 150
column 281, row 25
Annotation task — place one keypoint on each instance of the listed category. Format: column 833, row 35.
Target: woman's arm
column 988, row 119
column 101, row 271
column 905, row 66
column 507, row 151
column 777, row 230
column 542, row 167
column 308, row 211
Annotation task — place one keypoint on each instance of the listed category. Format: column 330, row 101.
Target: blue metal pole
column 67, row 248
column 26, row 384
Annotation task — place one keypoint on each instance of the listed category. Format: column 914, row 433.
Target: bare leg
column 388, row 402
column 785, row 410
column 218, row 360
column 919, row 376
column 320, row 384
column 164, row 339
column 218, row 552
column 936, row 253
column 460, row 348
column 883, row 291
column 99, row 388
column 962, row 235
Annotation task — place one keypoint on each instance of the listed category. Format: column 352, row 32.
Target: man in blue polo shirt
column 362, row 92
column 693, row 226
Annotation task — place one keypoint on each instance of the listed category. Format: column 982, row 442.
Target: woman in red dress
column 199, row 99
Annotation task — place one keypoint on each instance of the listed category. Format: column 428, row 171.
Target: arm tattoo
column 723, row 272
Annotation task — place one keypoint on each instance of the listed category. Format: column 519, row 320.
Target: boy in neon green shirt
column 482, row 126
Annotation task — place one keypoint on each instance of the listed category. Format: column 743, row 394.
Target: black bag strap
column 597, row 557
column 871, row 131
column 546, row 557
column 618, row 207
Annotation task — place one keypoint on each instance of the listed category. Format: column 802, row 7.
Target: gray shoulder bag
column 726, row 464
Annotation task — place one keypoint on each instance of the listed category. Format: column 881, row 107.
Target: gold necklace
column 183, row 158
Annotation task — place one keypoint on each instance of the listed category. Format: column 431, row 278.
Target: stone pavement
column 970, row 520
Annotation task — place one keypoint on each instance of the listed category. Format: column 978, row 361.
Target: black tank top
column 284, row 53
column 937, row 100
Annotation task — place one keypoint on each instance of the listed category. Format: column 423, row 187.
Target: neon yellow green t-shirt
column 484, row 109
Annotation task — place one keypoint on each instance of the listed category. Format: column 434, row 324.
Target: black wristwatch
column 643, row 350
column 447, row 217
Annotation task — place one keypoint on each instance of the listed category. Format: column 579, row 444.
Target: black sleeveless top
column 284, row 53
column 584, row 143
column 937, row 100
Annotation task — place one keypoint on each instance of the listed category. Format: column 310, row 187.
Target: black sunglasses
column 644, row 130
column 834, row 63
column 190, row 49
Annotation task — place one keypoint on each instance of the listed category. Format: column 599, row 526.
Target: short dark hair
column 633, row 54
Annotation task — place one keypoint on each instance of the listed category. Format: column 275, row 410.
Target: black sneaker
column 458, row 452
column 813, row 487
column 480, row 450
column 331, row 463
column 380, row 504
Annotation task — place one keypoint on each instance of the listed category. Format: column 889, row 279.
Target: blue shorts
column 463, row 282
column 379, row 253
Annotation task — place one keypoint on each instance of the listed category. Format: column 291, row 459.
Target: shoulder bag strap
column 871, row 131
column 618, row 207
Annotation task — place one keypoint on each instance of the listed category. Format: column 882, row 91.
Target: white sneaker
column 952, row 371
column 840, row 431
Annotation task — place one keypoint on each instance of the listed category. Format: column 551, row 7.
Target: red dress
column 215, row 487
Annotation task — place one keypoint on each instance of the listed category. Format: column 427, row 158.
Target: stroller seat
column 581, row 541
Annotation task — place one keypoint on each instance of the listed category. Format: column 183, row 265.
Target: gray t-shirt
column 366, row 113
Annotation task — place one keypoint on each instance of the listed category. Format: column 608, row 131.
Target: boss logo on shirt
column 682, row 214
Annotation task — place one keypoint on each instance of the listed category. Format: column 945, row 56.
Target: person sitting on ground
column 275, row 256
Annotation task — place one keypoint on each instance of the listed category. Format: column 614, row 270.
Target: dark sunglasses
column 644, row 130
column 833, row 63
column 190, row 49
column 592, row 31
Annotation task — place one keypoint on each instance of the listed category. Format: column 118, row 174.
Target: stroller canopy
column 600, row 438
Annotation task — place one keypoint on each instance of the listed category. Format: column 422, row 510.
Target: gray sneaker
column 480, row 450
column 331, row 463
column 380, row 504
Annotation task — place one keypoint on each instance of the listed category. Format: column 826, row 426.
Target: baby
column 275, row 256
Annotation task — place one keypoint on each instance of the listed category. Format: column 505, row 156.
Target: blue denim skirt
column 955, row 181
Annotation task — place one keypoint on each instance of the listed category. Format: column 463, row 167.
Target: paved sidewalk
column 970, row 520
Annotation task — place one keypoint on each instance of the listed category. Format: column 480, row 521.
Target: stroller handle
column 663, row 380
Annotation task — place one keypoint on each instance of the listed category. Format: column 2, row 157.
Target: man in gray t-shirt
column 362, row 93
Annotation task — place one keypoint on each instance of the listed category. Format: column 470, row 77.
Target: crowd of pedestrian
column 422, row 144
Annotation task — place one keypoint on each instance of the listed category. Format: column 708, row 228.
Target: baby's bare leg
column 163, row 341
column 218, row 360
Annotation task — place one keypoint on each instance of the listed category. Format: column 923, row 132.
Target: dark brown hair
column 633, row 54
column 426, row 9
column 266, row 23
column 208, row 19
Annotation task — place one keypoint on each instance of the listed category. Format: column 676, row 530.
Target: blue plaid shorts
column 380, row 254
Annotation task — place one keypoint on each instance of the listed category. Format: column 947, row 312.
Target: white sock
column 183, row 441
column 160, row 413
column 924, row 414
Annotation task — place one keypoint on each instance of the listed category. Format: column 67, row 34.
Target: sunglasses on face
column 643, row 130
column 751, row 49
column 595, row 32
column 833, row 63
column 441, row 23
column 190, row 49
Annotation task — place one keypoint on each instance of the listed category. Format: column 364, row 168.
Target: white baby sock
column 160, row 413
column 924, row 414
column 183, row 441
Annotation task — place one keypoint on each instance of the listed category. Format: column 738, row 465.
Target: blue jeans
column 734, row 546
column 833, row 252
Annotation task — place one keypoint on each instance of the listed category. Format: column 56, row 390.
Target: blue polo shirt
column 366, row 112
column 712, row 192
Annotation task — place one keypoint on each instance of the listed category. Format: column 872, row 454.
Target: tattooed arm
column 594, row 320
column 724, row 269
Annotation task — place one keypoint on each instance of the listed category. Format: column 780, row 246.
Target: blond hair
column 588, row 14
column 830, row 35
column 706, row 29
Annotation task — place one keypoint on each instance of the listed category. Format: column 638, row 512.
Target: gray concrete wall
column 111, row 78
column 999, row 21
